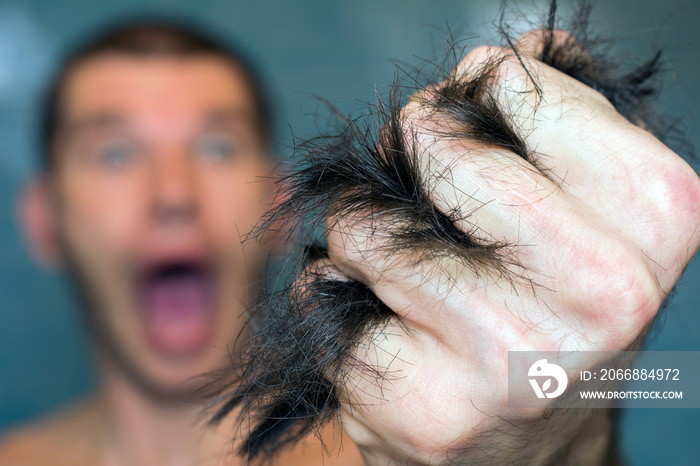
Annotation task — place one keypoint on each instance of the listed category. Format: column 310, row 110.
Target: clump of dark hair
column 288, row 383
column 148, row 38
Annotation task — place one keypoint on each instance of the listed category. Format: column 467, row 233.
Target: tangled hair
column 309, row 331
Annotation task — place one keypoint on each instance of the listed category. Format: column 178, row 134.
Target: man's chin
column 175, row 339
column 164, row 381
column 178, row 319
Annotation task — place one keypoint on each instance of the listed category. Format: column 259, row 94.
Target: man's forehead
column 167, row 89
column 109, row 122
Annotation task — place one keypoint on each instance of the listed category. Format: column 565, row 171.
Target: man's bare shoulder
column 339, row 450
column 59, row 440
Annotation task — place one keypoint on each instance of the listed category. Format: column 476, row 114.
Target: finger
column 554, row 45
column 358, row 346
column 386, row 369
column 580, row 142
column 494, row 195
column 449, row 299
column 483, row 189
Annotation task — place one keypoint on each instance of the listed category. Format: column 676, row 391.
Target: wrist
column 567, row 436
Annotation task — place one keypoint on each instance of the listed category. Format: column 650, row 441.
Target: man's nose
column 174, row 191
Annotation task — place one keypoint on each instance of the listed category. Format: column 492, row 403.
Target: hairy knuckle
column 347, row 237
column 533, row 42
column 479, row 57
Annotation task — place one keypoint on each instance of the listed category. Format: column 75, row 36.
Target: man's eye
column 217, row 148
column 115, row 155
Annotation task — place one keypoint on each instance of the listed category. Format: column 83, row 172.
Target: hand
column 579, row 235
column 507, row 208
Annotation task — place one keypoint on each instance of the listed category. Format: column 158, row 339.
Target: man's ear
column 37, row 218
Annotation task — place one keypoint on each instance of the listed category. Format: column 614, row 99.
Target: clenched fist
column 581, row 223
column 521, row 204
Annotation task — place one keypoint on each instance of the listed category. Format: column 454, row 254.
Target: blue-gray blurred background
column 342, row 51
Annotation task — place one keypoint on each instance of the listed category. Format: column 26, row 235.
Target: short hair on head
column 148, row 38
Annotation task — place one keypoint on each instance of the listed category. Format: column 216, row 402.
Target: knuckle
column 346, row 238
column 440, row 426
column 533, row 42
column 358, row 245
column 678, row 193
column 669, row 203
column 628, row 297
column 479, row 57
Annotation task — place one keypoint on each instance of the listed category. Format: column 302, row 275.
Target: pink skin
column 601, row 242
column 160, row 162
column 160, row 171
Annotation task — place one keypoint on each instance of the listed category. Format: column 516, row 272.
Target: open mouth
column 178, row 306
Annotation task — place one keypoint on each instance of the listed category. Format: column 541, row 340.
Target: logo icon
column 543, row 369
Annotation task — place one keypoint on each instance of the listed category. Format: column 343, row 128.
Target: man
column 157, row 163
column 597, row 250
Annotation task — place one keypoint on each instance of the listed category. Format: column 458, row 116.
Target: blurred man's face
column 157, row 179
